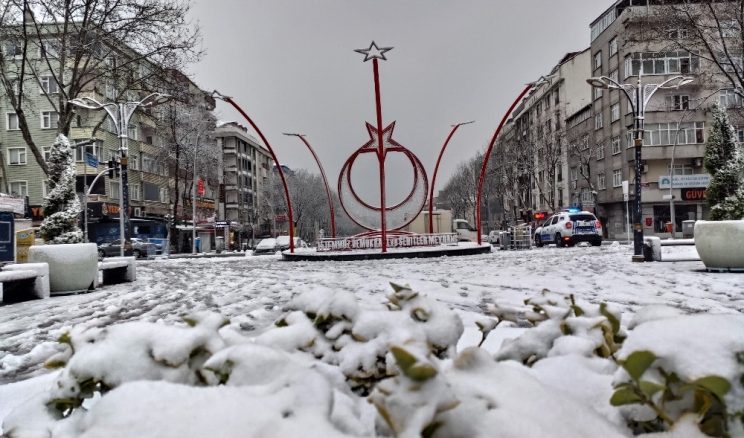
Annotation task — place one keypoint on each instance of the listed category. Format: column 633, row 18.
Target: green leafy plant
column 670, row 397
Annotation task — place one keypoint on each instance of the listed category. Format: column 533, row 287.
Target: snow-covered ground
column 252, row 292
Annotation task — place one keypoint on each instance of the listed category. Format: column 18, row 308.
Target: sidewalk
column 204, row 255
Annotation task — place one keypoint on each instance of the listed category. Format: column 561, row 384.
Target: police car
column 569, row 227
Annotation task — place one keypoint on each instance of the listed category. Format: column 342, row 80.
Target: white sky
column 291, row 65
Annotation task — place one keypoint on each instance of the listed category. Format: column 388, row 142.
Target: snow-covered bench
column 20, row 282
column 117, row 270
column 653, row 252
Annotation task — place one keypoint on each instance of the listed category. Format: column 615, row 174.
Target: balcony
column 665, row 152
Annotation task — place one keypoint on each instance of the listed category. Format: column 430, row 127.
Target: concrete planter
column 73, row 267
column 720, row 244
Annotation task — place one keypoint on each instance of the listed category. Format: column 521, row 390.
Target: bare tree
column 583, row 155
column 549, row 158
column 69, row 47
column 188, row 146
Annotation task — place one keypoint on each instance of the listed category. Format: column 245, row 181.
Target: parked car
column 493, row 237
column 140, row 248
column 568, row 228
column 281, row 243
column 265, row 246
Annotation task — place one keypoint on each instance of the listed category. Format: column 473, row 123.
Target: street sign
column 685, row 181
column 91, row 160
column 200, row 189
column 626, row 191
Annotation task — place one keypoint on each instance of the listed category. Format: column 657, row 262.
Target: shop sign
column 685, row 181
column 12, row 204
column 696, row 194
column 649, row 222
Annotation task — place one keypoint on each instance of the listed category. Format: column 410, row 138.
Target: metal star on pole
column 374, row 52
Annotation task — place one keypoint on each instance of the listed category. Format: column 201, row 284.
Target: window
column 657, row 134
column 616, row 149
column 48, row 85
column 613, row 46
column 46, row 151
column 574, row 174
column 132, row 132
column 164, row 195
column 617, row 178
column 677, row 33
column 601, row 181
column 597, row 60
column 600, row 151
column 674, row 62
column 93, row 149
column 614, row 76
column 13, row 49
column 148, row 164
column 45, row 188
column 49, row 49
column 598, row 93
column 110, row 90
column 730, row 28
column 598, row 123
column 586, row 195
column 584, row 144
column 135, row 190
column 730, row 99
column 12, row 124
column 615, row 112
column 134, row 162
column 49, row 119
column 113, row 190
column 681, row 169
column 557, row 97
column 19, row 188
column 16, row 156
column 678, row 102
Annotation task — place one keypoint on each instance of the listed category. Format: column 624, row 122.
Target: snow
column 337, row 318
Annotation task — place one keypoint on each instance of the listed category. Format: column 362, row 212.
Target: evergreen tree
column 725, row 163
column 61, row 205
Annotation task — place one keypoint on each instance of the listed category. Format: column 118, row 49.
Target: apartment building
column 532, row 152
column 619, row 51
column 116, row 78
column 245, row 177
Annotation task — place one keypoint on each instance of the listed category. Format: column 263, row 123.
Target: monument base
column 461, row 249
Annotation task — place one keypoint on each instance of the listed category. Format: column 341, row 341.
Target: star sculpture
column 374, row 52
column 387, row 140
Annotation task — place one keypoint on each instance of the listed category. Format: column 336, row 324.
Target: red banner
column 200, row 189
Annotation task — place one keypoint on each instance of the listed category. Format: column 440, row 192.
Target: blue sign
column 91, row 159
column 7, row 237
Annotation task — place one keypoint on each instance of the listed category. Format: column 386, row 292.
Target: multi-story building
column 675, row 123
column 245, row 178
column 533, row 150
column 120, row 79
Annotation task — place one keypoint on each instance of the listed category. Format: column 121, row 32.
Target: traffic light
column 111, row 168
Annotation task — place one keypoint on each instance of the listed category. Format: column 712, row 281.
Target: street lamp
column 436, row 169
column 120, row 114
column 638, row 96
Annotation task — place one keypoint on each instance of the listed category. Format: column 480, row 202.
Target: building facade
column 245, row 176
column 676, row 122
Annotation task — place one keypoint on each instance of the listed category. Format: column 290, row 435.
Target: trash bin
column 505, row 238
column 668, row 227
column 219, row 244
column 688, row 229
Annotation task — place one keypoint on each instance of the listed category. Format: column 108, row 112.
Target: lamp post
column 638, row 95
column 120, row 114
column 325, row 180
column 216, row 94
column 436, row 169
column 193, row 198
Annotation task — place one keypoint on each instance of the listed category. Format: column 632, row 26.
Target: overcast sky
column 291, row 65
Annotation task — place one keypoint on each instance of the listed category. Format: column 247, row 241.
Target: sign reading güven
column 349, row 243
column 696, row 194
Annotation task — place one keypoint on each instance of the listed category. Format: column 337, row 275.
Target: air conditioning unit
column 644, row 168
column 137, row 212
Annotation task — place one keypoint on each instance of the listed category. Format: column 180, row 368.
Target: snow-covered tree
column 61, row 206
column 725, row 162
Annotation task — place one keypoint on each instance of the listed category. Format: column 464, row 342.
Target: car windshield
column 582, row 217
column 266, row 243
